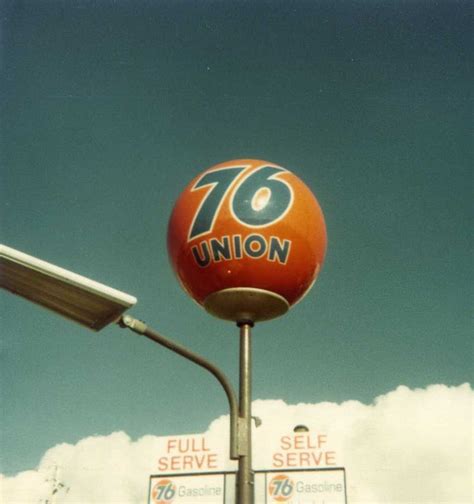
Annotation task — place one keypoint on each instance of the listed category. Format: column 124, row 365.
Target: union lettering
column 254, row 246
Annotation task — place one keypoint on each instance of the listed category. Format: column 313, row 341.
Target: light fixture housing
column 301, row 428
column 73, row 296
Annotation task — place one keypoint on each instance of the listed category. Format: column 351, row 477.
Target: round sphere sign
column 246, row 239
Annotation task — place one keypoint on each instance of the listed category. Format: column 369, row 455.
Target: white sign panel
column 189, row 489
column 203, row 453
column 305, row 487
column 189, row 454
column 271, row 487
column 300, row 451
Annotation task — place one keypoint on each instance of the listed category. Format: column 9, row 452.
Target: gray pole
column 245, row 476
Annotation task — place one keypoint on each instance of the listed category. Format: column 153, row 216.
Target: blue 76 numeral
column 281, row 488
column 165, row 492
column 220, row 180
column 278, row 201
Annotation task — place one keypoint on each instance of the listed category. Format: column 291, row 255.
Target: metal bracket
column 242, row 437
column 137, row 326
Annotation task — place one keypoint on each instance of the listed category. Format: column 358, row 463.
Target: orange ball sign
column 246, row 239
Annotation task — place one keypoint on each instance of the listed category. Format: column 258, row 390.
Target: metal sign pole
column 245, row 475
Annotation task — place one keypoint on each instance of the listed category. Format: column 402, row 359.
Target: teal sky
column 110, row 108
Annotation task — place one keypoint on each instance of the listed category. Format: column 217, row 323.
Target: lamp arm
column 126, row 321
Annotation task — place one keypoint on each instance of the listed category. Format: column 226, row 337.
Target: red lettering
column 308, row 443
column 199, row 460
column 183, row 445
column 285, row 443
column 299, row 442
column 291, row 460
column 317, row 457
column 212, row 461
column 170, row 444
column 304, row 459
column 187, row 462
column 278, row 460
column 330, row 458
column 322, row 439
column 198, row 444
column 175, row 463
column 163, row 464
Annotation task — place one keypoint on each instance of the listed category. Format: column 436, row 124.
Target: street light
column 90, row 303
column 300, row 428
column 95, row 306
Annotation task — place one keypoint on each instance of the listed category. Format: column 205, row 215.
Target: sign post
column 245, row 480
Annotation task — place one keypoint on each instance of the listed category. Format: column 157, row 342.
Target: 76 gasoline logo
column 281, row 488
column 163, row 492
column 250, row 198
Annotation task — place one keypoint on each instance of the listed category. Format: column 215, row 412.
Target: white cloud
column 409, row 446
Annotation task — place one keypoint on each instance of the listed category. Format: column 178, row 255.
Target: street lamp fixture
column 73, row 296
column 95, row 306
column 300, row 428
